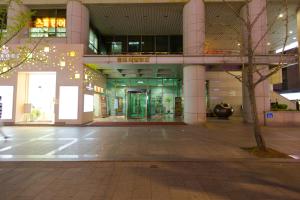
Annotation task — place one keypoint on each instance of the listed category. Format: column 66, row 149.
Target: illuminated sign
column 50, row 22
column 5, row 54
column 98, row 89
column 133, row 59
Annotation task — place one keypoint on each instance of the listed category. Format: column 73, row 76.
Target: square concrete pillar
column 194, row 94
column 77, row 24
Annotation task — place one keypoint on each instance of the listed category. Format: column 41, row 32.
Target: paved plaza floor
column 214, row 141
column 147, row 163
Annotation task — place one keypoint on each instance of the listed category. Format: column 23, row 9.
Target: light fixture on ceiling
column 239, row 44
column 268, row 43
column 280, row 15
column 291, row 32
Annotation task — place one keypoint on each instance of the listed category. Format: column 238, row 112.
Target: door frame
column 136, row 91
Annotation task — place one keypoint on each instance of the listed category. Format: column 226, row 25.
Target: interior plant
column 168, row 101
column 35, row 114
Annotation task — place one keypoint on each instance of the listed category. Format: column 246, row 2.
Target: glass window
column 6, row 94
column 134, row 43
column 93, row 41
column 148, row 44
column 48, row 23
column 3, row 18
column 122, row 41
column 162, row 44
column 116, row 47
column 108, row 43
column 176, row 44
column 68, row 109
column 88, row 105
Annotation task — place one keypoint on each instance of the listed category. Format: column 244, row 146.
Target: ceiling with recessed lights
column 223, row 30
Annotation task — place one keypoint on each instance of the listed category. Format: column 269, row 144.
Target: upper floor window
column 3, row 22
column 93, row 41
column 48, row 23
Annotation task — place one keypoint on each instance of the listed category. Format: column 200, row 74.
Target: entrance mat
column 134, row 123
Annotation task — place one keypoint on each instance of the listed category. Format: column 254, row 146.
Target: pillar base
column 194, row 119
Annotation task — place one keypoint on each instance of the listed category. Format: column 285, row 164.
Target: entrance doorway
column 137, row 104
column 36, row 97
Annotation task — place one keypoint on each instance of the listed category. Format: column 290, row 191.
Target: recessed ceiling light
column 268, row 43
column 239, row 44
column 280, row 15
column 291, row 32
column 294, row 38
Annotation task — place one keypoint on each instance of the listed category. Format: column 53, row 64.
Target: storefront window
column 48, row 23
column 88, row 103
column 6, row 94
column 68, row 109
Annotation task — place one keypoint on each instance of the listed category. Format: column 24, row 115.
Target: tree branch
column 238, row 77
column 26, row 58
column 280, row 65
column 235, row 12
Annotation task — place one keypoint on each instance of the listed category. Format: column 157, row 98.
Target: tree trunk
column 256, row 126
column 251, row 85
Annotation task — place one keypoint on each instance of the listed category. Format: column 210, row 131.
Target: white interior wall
column 225, row 88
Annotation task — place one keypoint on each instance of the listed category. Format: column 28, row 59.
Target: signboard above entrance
column 133, row 59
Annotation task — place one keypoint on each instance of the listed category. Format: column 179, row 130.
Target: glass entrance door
column 137, row 104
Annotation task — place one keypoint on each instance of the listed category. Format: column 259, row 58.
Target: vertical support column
column 194, row 94
column 14, row 11
column 194, row 75
column 77, row 23
column 298, row 38
column 262, row 90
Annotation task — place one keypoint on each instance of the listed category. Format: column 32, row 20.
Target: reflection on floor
column 122, row 120
column 164, row 118
column 218, row 140
column 35, row 123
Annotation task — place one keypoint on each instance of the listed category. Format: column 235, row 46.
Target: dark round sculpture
column 223, row 110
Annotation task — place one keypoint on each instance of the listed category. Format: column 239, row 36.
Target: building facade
column 157, row 60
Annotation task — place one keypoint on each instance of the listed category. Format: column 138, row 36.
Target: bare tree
column 253, row 74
